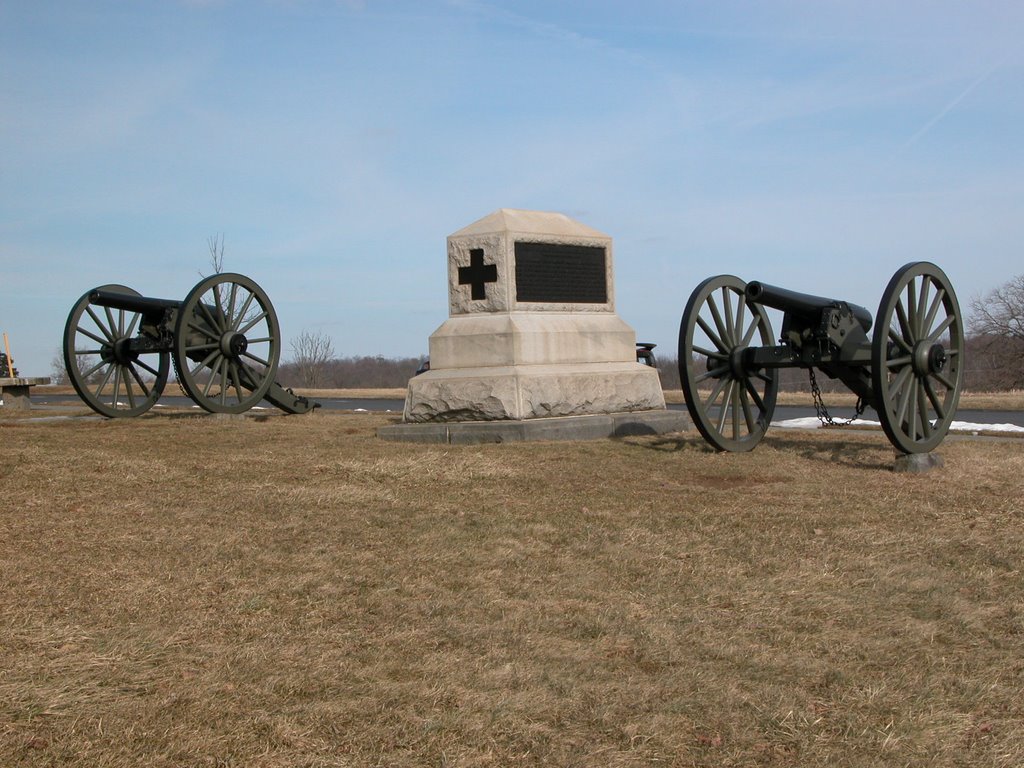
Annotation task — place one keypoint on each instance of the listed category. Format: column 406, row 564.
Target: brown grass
column 184, row 590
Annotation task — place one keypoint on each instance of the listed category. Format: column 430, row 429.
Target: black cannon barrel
column 805, row 304
column 131, row 303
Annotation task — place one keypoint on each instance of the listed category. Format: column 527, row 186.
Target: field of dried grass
column 183, row 590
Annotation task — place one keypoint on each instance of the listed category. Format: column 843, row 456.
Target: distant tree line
column 362, row 372
column 992, row 364
column 995, row 353
column 790, row 379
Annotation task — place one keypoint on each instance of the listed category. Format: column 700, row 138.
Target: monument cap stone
column 533, row 261
column 532, row 330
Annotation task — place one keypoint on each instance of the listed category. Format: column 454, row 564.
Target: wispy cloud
column 539, row 28
column 949, row 107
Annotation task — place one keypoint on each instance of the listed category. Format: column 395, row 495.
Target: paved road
column 782, row 412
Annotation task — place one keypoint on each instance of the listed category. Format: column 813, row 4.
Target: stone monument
column 532, row 332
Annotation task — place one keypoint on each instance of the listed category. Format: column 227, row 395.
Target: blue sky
column 336, row 143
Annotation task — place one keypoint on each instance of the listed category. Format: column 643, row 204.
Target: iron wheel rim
column 96, row 362
column 917, row 357
column 226, row 344
column 745, row 399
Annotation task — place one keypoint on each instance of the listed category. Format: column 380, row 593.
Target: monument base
column 532, row 392
column 593, row 427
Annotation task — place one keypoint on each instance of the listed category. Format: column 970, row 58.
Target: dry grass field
column 181, row 590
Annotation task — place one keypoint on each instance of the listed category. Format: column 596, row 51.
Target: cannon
column 223, row 340
column 910, row 370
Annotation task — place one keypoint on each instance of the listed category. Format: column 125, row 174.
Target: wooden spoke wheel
column 226, row 344
column 917, row 357
column 730, row 405
column 114, row 371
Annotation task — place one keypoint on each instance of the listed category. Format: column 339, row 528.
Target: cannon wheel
column 226, row 344
column 917, row 357
column 107, row 374
column 736, row 412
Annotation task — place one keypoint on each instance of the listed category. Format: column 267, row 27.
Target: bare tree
column 215, row 244
column 311, row 353
column 364, row 372
column 997, row 328
column 59, row 372
column 1001, row 311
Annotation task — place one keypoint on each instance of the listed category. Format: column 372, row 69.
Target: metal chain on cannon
column 822, row 412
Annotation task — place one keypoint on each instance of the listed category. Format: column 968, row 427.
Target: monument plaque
column 561, row 273
column 532, row 330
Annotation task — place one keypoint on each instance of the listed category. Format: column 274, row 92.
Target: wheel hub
column 937, row 358
column 736, row 363
column 120, row 352
column 233, row 344
column 929, row 358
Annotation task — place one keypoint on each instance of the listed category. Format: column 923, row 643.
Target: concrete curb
column 591, row 427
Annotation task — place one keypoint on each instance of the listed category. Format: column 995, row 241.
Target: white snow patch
column 966, row 426
column 812, row 422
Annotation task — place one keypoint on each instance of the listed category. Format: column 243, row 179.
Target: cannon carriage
column 223, row 341
column 910, row 371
